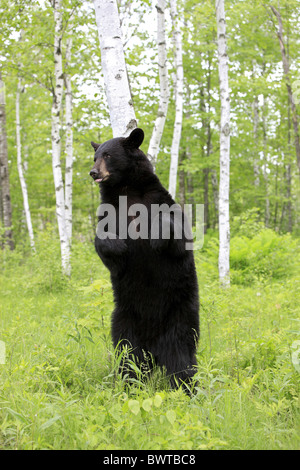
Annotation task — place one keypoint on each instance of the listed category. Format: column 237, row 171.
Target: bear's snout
column 93, row 173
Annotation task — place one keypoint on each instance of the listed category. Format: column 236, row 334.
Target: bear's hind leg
column 135, row 364
column 180, row 364
column 184, row 377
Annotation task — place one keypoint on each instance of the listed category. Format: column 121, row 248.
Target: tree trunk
column 178, row 98
column 164, row 85
column 289, row 197
column 265, row 173
column 1, row 208
column 56, row 140
column 120, row 104
column 206, row 171
column 212, row 171
column 4, row 173
column 190, row 190
column 224, row 227
column 69, row 143
column 215, row 188
column 181, row 195
column 289, row 175
column 188, row 156
column 20, row 167
column 286, row 69
column 255, row 146
column 288, row 165
column 276, row 198
column 206, row 199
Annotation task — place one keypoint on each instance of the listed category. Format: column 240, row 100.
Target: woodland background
column 58, row 387
column 264, row 172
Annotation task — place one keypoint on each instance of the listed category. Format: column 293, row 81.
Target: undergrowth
column 60, row 388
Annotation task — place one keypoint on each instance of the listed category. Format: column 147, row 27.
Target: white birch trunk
column 224, row 227
column 121, row 111
column 178, row 99
column 164, row 85
column 56, row 140
column 69, row 145
column 20, row 167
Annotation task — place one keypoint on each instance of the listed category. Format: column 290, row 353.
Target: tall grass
column 59, row 387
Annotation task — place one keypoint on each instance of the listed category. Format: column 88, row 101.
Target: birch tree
column 20, row 166
column 69, row 142
column 56, row 139
column 120, row 104
column 178, row 98
column 4, row 173
column 164, row 84
column 224, row 227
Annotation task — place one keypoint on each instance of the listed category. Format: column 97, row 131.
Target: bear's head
column 119, row 160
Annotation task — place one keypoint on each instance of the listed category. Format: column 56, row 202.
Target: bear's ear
column 95, row 146
column 135, row 139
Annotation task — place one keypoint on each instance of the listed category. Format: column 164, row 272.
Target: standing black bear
column 153, row 277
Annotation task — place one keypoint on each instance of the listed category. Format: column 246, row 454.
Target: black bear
column 152, row 273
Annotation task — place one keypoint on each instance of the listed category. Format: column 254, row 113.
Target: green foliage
column 60, row 388
column 255, row 73
column 266, row 255
column 256, row 253
column 247, row 224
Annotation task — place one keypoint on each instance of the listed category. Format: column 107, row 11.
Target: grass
column 59, row 388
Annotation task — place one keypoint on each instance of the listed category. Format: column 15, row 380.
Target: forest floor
column 59, row 388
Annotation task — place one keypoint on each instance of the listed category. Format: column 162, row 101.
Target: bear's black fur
column 154, row 280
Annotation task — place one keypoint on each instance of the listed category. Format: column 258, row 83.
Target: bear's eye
column 106, row 156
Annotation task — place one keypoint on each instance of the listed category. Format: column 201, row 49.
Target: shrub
column 266, row 255
column 247, row 224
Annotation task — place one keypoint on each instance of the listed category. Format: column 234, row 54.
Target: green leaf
column 49, row 423
column 157, row 401
column 147, row 404
column 17, row 415
column 134, row 406
column 171, row 416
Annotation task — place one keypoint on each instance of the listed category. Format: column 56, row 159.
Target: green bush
column 260, row 255
column 266, row 255
column 247, row 224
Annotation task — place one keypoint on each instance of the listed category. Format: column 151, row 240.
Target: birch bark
column 69, row 143
column 224, row 227
column 4, row 173
column 56, row 139
column 178, row 98
column 120, row 103
column 20, row 167
column 164, row 84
